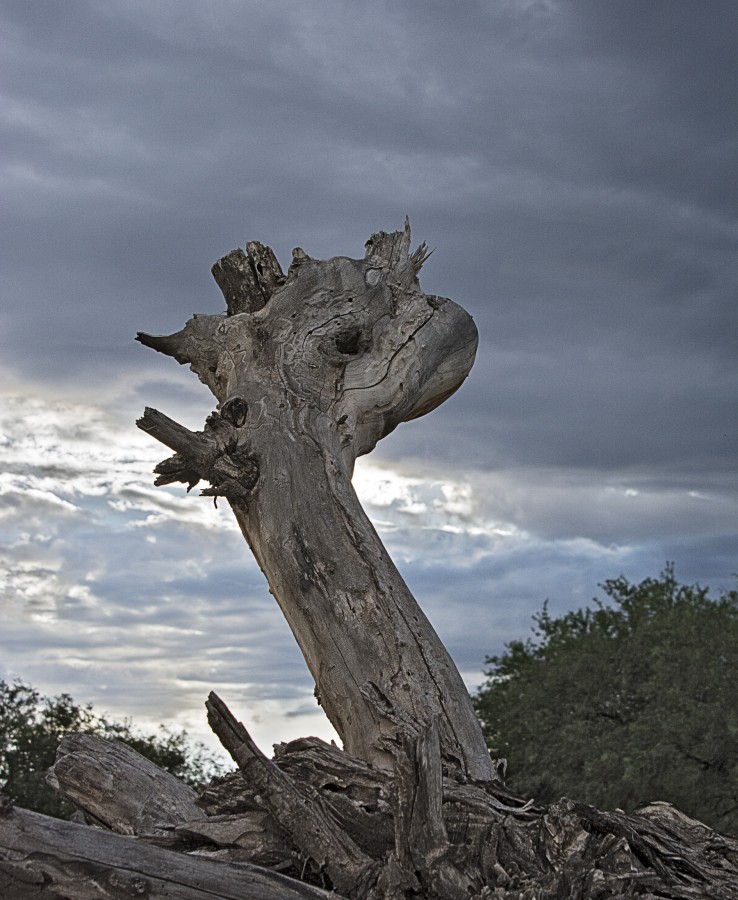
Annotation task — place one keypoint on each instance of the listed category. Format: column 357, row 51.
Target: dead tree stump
column 310, row 370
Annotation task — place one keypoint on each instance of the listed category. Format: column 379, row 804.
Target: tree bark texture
column 309, row 371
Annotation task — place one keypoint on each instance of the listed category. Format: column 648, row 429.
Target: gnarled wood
column 446, row 838
column 421, row 841
column 342, row 351
column 247, row 280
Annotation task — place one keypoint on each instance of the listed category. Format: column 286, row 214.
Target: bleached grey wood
column 119, row 787
column 252, row 836
column 421, row 841
column 343, row 351
column 298, row 809
column 49, row 859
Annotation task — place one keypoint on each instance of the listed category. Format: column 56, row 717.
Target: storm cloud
column 573, row 164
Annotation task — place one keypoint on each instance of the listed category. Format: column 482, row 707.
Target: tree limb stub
column 247, row 280
column 340, row 353
column 214, row 455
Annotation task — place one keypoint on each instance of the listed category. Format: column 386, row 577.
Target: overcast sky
column 573, row 164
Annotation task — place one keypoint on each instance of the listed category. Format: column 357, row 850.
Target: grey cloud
column 572, row 163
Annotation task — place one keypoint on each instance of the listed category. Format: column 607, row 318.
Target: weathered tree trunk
column 310, row 371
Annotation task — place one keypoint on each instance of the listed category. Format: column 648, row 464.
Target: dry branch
column 298, row 809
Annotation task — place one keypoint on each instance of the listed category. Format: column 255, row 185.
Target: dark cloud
column 573, row 164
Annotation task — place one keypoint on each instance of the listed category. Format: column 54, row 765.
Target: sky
column 574, row 166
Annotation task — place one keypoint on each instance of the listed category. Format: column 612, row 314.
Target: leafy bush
column 622, row 704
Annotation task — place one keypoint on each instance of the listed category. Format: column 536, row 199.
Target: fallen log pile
column 315, row 822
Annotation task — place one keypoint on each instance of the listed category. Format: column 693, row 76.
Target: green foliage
column 31, row 727
column 622, row 704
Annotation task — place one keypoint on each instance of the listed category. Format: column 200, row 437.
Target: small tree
column 619, row 704
column 32, row 726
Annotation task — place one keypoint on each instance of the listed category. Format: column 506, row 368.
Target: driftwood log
column 310, row 370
